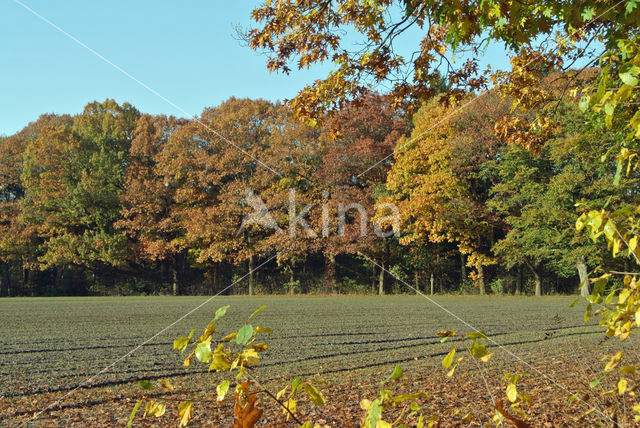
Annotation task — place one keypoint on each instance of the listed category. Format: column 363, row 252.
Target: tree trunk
column 416, row 281
column 291, row 290
column 431, row 280
column 536, row 277
column 25, row 279
column 330, row 274
column 584, row 277
column 251, row 273
column 214, row 279
column 374, row 279
column 463, row 269
column 518, row 290
column 481, row 284
column 381, row 281
column 174, row 277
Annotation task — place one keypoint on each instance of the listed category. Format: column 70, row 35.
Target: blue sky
column 188, row 54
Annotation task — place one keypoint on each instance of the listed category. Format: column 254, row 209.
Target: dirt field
column 50, row 346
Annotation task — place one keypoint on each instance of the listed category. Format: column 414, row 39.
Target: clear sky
column 187, row 51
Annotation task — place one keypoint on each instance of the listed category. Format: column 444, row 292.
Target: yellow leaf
column 365, row 404
column 314, row 394
column 291, row 405
column 187, row 361
column 453, row 369
column 185, row 412
column 627, row 369
column 613, row 362
column 166, row 384
column 512, row 392
column 153, row 408
column 260, row 329
column 624, row 295
column 448, row 360
column 229, row 336
column 222, row 389
column 485, row 358
column 383, row 424
column 467, row 418
column 633, row 244
column 622, row 386
column 282, row 391
column 220, row 360
column 211, row 328
column 259, row 347
column 250, row 356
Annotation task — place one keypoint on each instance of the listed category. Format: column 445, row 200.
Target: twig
column 266, row 391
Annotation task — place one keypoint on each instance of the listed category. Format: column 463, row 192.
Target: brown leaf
column 519, row 423
column 248, row 415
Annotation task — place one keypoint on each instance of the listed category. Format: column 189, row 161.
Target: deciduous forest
column 114, row 201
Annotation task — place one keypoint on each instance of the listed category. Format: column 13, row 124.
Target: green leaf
column 222, row 389
column 595, row 382
column 145, row 384
column 260, row 309
column 583, row 105
column 574, row 303
column 374, row 414
column 448, row 360
column 624, row 93
column 296, row 383
column 616, row 181
column 203, row 352
column 478, row 350
column 610, row 296
column 395, row 375
column 220, row 312
column 404, row 397
column 133, row 413
column 244, row 334
column 629, row 79
column 477, row 335
column 587, row 313
column 588, row 13
column 635, row 123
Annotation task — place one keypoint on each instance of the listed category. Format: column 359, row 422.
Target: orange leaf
column 248, row 415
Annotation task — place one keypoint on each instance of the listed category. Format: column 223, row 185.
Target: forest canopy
column 116, row 201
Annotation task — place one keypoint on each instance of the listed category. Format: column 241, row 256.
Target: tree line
column 114, row 201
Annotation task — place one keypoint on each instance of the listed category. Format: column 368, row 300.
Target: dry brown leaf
column 248, row 415
column 519, row 423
